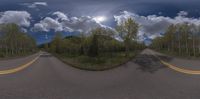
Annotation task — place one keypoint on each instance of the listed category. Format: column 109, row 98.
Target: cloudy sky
column 43, row 18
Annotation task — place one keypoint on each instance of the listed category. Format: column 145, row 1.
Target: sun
column 99, row 19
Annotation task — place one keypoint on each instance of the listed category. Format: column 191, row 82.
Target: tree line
column 99, row 40
column 182, row 39
column 14, row 42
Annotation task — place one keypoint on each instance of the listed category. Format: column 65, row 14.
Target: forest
column 99, row 49
column 179, row 39
column 14, row 42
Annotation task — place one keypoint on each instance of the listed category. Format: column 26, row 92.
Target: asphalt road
column 142, row 78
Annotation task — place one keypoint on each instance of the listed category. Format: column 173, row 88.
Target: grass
column 176, row 54
column 4, row 57
column 104, row 61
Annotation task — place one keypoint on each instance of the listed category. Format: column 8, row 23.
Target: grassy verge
column 104, row 61
column 17, row 56
column 176, row 54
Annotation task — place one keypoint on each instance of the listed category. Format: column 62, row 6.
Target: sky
column 42, row 19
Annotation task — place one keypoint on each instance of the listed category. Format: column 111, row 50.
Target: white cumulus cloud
column 21, row 18
column 47, row 24
column 182, row 13
column 60, row 15
column 35, row 4
column 68, row 24
column 82, row 24
column 153, row 25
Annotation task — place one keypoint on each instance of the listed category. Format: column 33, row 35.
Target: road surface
column 145, row 77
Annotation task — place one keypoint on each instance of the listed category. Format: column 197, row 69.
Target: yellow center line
column 19, row 68
column 177, row 68
column 182, row 70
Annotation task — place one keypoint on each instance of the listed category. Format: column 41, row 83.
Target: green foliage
column 56, row 45
column 99, row 40
column 14, row 42
column 128, row 31
column 100, row 49
column 180, row 39
column 94, row 46
column 103, row 62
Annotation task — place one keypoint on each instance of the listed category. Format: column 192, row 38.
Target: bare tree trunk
column 172, row 45
column 198, row 45
column 127, row 50
column 179, row 46
column 168, row 46
column 193, row 44
column 186, row 45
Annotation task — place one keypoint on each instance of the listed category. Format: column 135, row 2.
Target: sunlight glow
column 100, row 19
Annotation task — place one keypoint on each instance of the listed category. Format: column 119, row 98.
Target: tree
column 198, row 37
column 128, row 31
column 170, row 37
column 97, row 38
column 82, row 42
column 193, row 32
column 15, row 42
column 56, row 43
column 185, row 36
column 94, row 46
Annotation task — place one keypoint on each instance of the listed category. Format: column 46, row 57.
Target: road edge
column 19, row 68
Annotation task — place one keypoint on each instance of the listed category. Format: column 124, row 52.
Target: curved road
column 142, row 78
